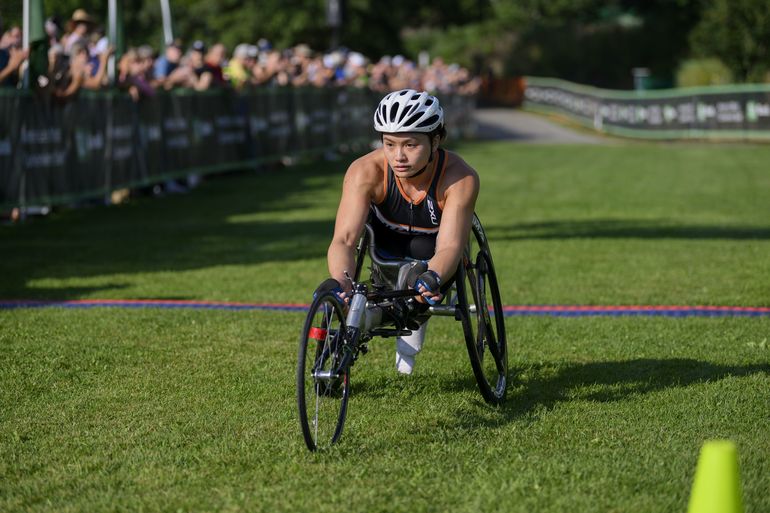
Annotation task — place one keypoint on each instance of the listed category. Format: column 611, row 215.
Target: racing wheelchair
column 334, row 335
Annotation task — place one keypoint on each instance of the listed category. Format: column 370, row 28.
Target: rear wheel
column 322, row 389
column 481, row 312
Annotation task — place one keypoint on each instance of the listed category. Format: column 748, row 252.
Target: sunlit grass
column 185, row 410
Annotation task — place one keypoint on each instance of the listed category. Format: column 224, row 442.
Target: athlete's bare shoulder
column 458, row 174
column 366, row 173
column 374, row 158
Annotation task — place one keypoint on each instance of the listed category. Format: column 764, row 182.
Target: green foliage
column 737, row 32
column 599, row 43
column 590, row 41
column 587, row 42
column 602, row 56
column 142, row 18
column 703, row 72
column 468, row 45
column 285, row 23
column 520, row 13
column 375, row 30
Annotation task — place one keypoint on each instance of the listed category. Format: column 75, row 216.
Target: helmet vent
column 428, row 122
column 393, row 113
column 411, row 121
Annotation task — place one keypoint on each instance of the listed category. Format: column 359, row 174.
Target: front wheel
column 322, row 388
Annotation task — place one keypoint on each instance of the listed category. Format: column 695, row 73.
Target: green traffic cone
column 717, row 487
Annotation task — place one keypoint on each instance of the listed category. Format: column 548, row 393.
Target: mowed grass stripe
column 193, row 410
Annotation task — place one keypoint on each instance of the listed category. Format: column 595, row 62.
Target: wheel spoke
column 485, row 324
column 315, row 417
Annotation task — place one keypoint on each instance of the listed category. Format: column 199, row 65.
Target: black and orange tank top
column 405, row 215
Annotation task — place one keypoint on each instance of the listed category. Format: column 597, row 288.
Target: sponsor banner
column 11, row 182
column 734, row 112
column 53, row 153
column 90, row 145
column 44, row 148
column 151, row 154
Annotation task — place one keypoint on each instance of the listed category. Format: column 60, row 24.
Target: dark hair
column 440, row 132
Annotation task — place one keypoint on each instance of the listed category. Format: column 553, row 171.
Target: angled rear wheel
column 481, row 312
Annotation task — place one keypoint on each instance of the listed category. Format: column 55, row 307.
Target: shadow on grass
column 622, row 229
column 542, row 387
column 64, row 293
column 213, row 225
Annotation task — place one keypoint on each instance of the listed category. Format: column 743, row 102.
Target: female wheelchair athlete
column 332, row 340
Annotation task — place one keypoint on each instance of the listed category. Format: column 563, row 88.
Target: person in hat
column 238, row 69
column 300, row 59
column 80, row 25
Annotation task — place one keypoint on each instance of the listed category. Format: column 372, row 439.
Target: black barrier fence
column 101, row 141
column 738, row 112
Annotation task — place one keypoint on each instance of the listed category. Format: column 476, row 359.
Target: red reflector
column 317, row 333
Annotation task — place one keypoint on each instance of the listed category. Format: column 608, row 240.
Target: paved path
column 519, row 126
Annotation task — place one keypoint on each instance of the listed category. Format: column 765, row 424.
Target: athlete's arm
column 460, row 201
column 357, row 194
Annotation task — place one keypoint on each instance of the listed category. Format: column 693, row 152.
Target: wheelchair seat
column 388, row 272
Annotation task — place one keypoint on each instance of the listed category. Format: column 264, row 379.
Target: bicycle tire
column 323, row 403
column 485, row 337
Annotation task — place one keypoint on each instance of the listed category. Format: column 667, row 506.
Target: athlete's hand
column 332, row 285
column 428, row 285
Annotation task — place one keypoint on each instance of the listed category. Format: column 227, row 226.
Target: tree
column 598, row 42
column 738, row 33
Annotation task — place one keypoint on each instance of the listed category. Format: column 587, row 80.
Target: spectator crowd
column 79, row 53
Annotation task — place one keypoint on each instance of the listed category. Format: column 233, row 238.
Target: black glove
column 431, row 281
column 330, row 285
column 414, row 272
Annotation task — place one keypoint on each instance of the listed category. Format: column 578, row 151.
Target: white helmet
column 408, row 111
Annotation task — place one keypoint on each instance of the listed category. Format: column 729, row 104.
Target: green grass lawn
column 185, row 410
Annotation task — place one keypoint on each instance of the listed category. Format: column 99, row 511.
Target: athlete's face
column 407, row 153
